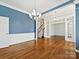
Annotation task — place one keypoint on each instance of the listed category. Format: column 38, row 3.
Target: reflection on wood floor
column 53, row 48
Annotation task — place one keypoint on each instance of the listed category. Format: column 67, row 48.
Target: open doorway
column 63, row 30
column 59, row 30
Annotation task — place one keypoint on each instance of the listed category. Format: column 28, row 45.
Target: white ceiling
column 28, row 5
column 76, row 1
column 61, row 12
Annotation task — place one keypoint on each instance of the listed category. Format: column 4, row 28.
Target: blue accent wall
column 77, row 26
column 18, row 22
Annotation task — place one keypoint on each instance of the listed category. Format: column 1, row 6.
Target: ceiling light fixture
column 34, row 12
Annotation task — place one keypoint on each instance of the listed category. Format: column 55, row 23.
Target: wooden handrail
column 41, row 29
column 40, row 26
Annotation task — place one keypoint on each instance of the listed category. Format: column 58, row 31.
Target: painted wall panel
column 59, row 29
column 18, row 21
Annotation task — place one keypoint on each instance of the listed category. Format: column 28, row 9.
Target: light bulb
column 30, row 15
column 34, row 12
column 39, row 15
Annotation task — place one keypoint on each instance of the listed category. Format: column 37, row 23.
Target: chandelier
column 34, row 13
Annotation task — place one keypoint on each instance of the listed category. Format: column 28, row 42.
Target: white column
column 36, row 19
column 66, row 29
column 75, row 24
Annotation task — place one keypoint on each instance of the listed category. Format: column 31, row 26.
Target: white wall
column 52, row 30
column 59, row 29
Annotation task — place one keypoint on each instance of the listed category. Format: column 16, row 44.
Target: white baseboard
column 69, row 40
column 77, row 50
column 47, row 36
column 18, row 38
column 4, row 46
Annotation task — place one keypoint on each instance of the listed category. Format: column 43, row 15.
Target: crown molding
column 12, row 7
column 61, row 5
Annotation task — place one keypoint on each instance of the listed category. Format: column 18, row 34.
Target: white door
column 4, row 31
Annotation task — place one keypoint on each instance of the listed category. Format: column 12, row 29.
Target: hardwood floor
column 53, row 48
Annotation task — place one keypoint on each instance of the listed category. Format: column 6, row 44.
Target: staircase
column 41, row 28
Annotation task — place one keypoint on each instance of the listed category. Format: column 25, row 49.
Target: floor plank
column 53, row 48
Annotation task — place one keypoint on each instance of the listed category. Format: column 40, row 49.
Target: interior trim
column 12, row 7
column 61, row 5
